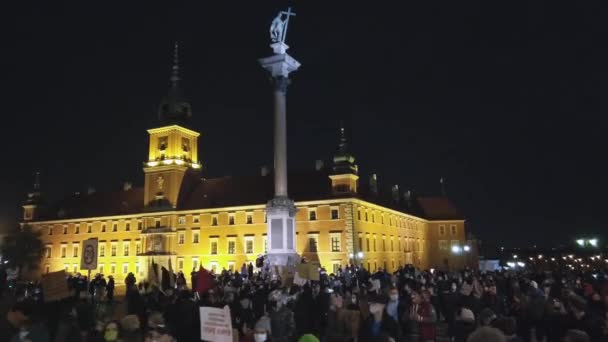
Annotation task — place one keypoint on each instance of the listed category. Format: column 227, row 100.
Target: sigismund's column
column 280, row 211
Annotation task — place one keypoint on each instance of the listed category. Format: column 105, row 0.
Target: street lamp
column 466, row 248
column 456, row 249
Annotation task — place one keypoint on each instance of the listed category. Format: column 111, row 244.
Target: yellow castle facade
column 182, row 220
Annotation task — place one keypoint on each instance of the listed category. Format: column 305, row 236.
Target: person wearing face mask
column 379, row 326
column 337, row 327
column 395, row 307
column 282, row 321
column 111, row 332
column 261, row 330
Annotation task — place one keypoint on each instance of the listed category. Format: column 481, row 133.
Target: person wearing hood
column 282, row 321
column 379, row 325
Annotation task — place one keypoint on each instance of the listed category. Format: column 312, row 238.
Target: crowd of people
column 351, row 304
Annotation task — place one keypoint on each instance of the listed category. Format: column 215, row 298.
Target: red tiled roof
column 438, row 208
column 197, row 193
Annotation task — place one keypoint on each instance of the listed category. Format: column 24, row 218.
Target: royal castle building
column 180, row 218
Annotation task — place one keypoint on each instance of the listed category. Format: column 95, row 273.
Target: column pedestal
column 280, row 215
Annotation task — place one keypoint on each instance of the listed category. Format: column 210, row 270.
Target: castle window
column 162, row 143
column 359, row 215
column 336, row 242
column 180, row 264
column 64, row 249
column 101, row 268
column 231, row 219
column 112, row 268
column 89, row 228
column 75, row 250
column 249, row 218
column 313, row 242
column 213, row 246
column 102, row 250
column 381, row 218
column 103, row 228
column 384, row 243
column 453, row 229
column 137, row 267
column 367, row 243
column 77, row 229
column 374, row 243
column 231, row 246
column 195, row 236
column 312, row 214
column 47, row 268
column 114, row 227
column 137, row 247
column 373, row 217
column 113, row 249
column 214, row 220
column 50, row 230
column 140, row 225
column 75, row 267
column 181, row 220
column 441, row 230
column 196, row 219
column 48, row 251
column 195, row 264
column 65, row 229
column 366, row 216
column 128, row 226
column 125, row 268
column 443, row 245
column 335, row 214
column 125, row 248
column 249, row 245
column 157, row 223
column 181, row 237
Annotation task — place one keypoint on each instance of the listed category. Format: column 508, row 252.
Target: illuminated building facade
column 181, row 219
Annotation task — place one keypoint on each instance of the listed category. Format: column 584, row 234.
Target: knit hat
column 130, row 323
column 308, row 338
column 466, row 315
column 263, row 324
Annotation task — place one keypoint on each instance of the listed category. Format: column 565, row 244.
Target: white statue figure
column 278, row 27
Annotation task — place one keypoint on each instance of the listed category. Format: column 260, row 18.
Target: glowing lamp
column 179, row 162
column 152, row 163
column 593, row 242
column 168, row 161
column 456, row 249
column 360, row 255
column 467, row 248
column 520, row 264
column 580, row 242
column 511, row 264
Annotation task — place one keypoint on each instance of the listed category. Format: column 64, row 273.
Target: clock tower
column 173, row 148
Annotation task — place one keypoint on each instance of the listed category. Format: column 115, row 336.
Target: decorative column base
column 280, row 216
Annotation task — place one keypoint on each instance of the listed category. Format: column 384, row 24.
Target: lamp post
column 462, row 250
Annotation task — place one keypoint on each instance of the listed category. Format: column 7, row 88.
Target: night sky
column 507, row 102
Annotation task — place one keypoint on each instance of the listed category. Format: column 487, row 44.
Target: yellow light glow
column 152, row 163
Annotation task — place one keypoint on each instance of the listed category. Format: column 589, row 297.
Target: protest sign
column 55, row 286
column 216, row 324
column 88, row 261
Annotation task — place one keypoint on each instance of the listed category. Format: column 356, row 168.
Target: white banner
column 216, row 324
column 88, row 260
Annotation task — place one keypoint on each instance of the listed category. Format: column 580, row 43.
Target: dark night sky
column 508, row 102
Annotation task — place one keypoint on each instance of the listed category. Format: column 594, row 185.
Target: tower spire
column 175, row 68
column 174, row 108
column 343, row 143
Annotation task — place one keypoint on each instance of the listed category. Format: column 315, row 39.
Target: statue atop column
column 278, row 27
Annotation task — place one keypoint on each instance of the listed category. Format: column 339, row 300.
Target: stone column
column 280, row 210
column 280, row 136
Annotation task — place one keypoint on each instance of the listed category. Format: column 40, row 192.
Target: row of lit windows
column 370, row 245
column 100, row 268
column 453, row 229
column 63, row 249
column 181, row 220
column 89, row 228
column 399, row 222
column 443, row 244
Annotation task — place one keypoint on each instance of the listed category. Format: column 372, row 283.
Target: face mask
column 454, row 287
column 110, row 335
column 259, row 337
column 394, row 297
column 353, row 300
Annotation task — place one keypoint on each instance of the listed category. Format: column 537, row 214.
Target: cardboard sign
column 216, row 324
column 55, row 286
column 308, row 271
column 299, row 280
column 88, row 260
